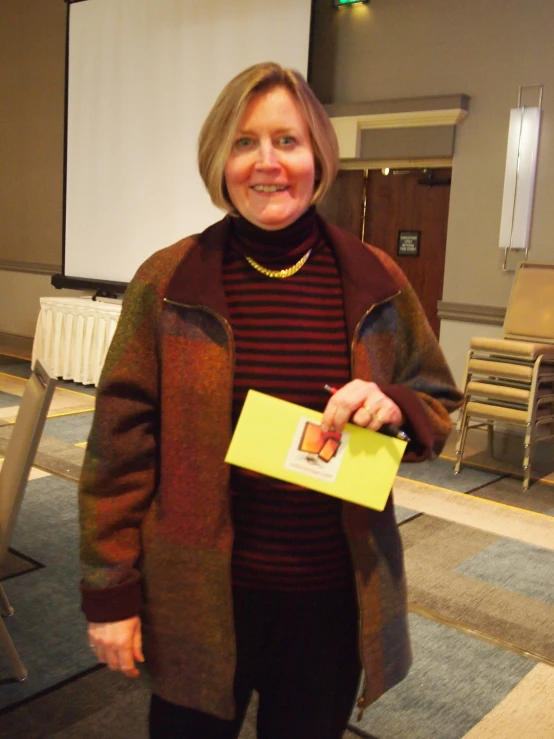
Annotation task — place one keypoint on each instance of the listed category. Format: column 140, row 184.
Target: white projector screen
column 142, row 76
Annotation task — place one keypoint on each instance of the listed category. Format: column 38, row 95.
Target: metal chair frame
column 14, row 474
column 511, row 380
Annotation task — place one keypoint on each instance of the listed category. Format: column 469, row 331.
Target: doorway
column 405, row 213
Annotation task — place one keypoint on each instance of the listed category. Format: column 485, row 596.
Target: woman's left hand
column 362, row 403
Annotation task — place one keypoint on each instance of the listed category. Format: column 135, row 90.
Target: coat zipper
column 362, row 700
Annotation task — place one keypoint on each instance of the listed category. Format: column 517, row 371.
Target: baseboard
column 16, row 346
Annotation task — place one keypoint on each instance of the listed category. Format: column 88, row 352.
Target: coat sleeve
column 422, row 386
column 119, row 473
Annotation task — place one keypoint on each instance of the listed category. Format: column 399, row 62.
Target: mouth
column 269, row 188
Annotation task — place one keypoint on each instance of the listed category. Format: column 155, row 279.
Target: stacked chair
column 18, row 459
column 510, row 381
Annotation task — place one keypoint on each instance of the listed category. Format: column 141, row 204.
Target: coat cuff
column 117, row 603
column 417, row 423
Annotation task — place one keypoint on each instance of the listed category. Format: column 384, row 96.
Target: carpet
column 16, row 564
column 440, row 472
column 47, row 628
column 462, row 581
column 455, row 681
column 498, row 587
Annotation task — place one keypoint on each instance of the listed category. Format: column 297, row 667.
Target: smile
column 269, row 188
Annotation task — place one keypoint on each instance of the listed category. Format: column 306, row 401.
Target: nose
column 267, row 156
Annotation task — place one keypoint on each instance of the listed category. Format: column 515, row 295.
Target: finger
column 101, row 655
column 377, row 421
column 342, row 416
column 127, row 663
column 112, row 659
column 328, row 418
column 362, row 417
column 137, row 646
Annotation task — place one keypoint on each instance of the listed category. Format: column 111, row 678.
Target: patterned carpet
column 481, row 589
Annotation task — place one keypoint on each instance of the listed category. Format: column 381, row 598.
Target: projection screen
column 142, row 75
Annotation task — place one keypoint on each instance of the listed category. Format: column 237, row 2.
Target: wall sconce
column 519, row 178
column 342, row 3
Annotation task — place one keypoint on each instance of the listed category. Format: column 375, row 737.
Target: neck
column 281, row 247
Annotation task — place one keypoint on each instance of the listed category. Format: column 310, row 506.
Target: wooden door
column 344, row 203
column 407, row 216
column 410, row 205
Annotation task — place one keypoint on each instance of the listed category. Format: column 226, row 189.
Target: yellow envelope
column 284, row 440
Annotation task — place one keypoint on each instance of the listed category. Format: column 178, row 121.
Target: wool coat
column 156, row 529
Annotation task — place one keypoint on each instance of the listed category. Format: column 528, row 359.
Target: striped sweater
column 290, row 339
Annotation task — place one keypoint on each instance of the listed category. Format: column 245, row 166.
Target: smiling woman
column 222, row 580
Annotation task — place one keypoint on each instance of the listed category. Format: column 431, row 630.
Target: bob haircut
column 219, row 129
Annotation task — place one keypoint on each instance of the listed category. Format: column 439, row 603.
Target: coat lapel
column 198, row 278
column 365, row 281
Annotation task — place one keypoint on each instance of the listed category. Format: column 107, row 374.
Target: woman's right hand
column 118, row 644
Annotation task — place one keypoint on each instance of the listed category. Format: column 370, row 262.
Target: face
column 270, row 172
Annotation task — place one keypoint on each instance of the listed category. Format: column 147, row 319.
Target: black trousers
column 300, row 652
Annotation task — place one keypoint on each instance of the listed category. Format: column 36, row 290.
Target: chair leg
column 462, row 433
column 5, row 607
column 528, row 444
column 490, row 438
column 17, row 665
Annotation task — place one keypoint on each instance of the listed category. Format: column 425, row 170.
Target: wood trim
column 14, row 345
column 409, row 119
column 395, row 163
column 442, row 107
column 35, row 268
column 468, row 313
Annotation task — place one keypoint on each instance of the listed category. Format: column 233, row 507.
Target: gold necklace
column 279, row 273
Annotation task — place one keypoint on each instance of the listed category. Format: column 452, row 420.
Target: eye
column 243, row 142
column 287, row 140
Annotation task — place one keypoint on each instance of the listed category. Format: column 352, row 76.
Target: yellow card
column 284, row 440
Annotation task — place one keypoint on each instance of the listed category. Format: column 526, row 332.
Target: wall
column 32, row 78
column 485, row 48
column 385, row 50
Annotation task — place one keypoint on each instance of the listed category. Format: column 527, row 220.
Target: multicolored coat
column 155, row 517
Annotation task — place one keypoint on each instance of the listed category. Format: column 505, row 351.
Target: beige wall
column 19, row 300
column 32, row 79
column 485, row 48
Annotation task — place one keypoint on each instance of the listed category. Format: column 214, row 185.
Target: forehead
column 274, row 107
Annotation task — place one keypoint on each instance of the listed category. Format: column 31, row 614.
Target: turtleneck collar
column 283, row 246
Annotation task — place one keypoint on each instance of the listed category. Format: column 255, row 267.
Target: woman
column 233, row 581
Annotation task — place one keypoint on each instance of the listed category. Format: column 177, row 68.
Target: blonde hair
column 219, row 129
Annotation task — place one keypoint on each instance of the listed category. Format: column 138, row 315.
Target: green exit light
column 339, row 3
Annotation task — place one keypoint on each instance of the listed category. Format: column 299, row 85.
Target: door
column 405, row 213
column 344, row 203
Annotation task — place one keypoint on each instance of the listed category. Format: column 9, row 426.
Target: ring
column 379, row 417
column 369, row 412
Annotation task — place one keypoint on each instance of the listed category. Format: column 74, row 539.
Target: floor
column 481, row 588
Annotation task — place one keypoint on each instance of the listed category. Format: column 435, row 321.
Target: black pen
column 388, row 429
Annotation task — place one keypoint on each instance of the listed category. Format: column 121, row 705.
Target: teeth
column 269, row 188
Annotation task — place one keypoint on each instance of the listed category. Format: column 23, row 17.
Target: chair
column 510, row 381
column 19, row 457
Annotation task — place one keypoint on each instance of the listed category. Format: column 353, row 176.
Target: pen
column 387, row 428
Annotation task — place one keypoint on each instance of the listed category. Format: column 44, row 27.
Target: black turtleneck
column 276, row 249
column 290, row 340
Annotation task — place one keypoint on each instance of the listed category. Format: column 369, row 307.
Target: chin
column 275, row 222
